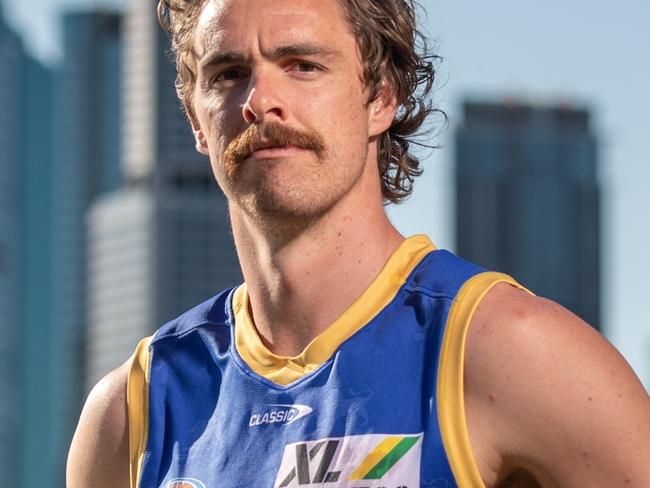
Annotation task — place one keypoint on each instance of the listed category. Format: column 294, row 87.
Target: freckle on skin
column 491, row 398
column 590, row 398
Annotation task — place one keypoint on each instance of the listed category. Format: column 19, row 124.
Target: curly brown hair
column 394, row 54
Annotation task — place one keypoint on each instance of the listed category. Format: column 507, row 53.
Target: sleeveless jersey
column 375, row 401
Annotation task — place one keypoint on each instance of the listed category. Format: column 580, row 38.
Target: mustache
column 257, row 137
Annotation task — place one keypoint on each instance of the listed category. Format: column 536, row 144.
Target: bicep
column 564, row 403
column 99, row 453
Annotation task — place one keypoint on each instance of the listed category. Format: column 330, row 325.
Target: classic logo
column 369, row 461
column 184, row 483
column 280, row 414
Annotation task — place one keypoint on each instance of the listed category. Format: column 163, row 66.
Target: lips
column 271, row 152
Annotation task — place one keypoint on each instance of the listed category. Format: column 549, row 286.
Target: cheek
column 353, row 100
column 218, row 127
column 352, row 124
column 214, row 125
column 342, row 112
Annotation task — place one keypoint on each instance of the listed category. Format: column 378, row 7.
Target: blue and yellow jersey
column 375, row 401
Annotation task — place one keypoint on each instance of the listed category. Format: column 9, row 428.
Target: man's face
column 280, row 107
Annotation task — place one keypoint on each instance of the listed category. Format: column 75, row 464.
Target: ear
column 199, row 137
column 381, row 111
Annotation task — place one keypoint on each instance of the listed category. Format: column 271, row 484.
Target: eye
column 229, row 75
column 305, row 67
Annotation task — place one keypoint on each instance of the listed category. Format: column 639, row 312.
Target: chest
column 366, row 418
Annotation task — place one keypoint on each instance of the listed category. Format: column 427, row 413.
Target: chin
column 293, row 205
column 290, row 192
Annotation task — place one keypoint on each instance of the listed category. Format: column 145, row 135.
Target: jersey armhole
column 137, row 399
column 450, row 391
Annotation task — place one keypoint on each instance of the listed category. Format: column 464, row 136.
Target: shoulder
column 99, row 454
column 213, row 311
column 559, row 400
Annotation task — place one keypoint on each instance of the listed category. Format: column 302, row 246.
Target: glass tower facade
column 528, row 199
column 25, row 325
column 37, row 245
column 86, row 164
column 12, row 95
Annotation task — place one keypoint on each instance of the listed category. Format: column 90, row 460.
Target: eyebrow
column 216, row 58
column 305, row 49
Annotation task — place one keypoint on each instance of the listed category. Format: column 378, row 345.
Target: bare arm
column 548, row 396
column 99, row 454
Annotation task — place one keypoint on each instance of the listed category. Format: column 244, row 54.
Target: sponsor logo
column 368, row 461
column 280, row 414
column 184, row 483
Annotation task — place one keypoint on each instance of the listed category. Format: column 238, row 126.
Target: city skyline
column 549, row 52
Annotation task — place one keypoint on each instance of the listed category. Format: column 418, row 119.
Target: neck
column 303, row 278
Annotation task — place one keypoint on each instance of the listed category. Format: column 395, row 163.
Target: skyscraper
column 528, row 199
column 25, row 149
column 161, row 243
column 86, row 164
column 36, row 347
column 12, row 60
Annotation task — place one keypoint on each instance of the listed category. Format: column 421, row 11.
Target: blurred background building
column 12, row 97
column 36, row 346
column 527, row 199
column 25, row 164
column 86, row 165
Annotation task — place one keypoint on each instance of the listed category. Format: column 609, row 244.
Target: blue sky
column 596, row 55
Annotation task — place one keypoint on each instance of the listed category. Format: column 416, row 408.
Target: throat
column 299, row 291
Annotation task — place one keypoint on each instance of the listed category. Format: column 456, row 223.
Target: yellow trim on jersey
column 284, row 370
column 137, row 399
column 451, row 398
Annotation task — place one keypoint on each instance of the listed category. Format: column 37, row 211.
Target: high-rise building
column 12, row 61
column 86, row 164
column 36, row 347
column 162, row 243
column 528, row 199
column 25, row 149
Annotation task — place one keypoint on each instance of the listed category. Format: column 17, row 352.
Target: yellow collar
column 284, row 370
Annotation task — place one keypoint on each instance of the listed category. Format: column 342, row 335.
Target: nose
column 264, row 100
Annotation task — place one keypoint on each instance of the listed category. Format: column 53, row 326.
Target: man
column 351, row 357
